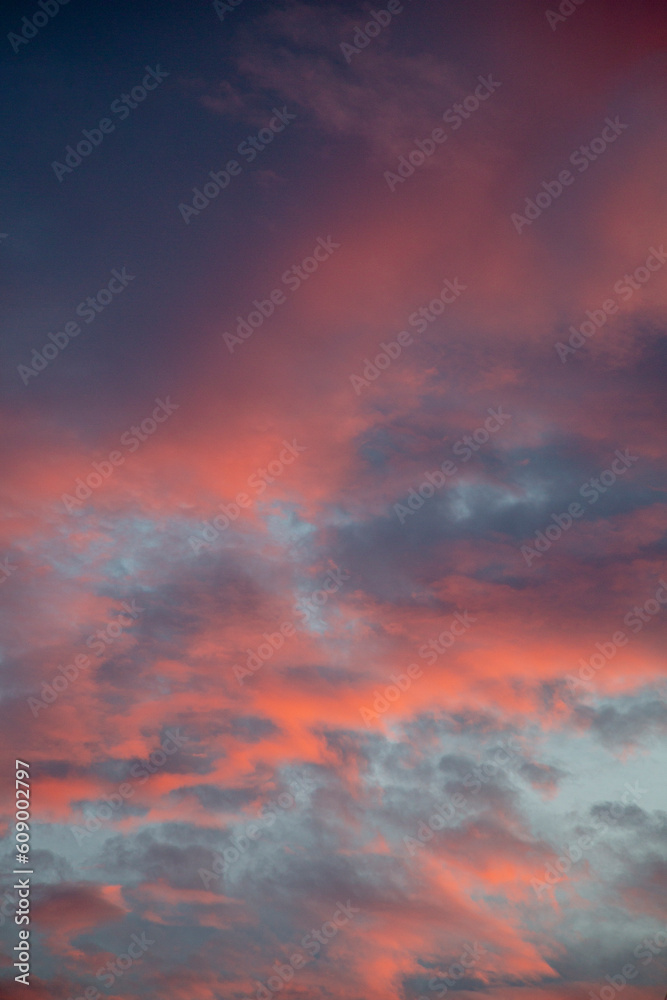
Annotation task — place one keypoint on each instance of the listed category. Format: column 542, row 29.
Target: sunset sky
column 332, row 556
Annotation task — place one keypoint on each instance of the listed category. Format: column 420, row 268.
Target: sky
column 333, row 528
